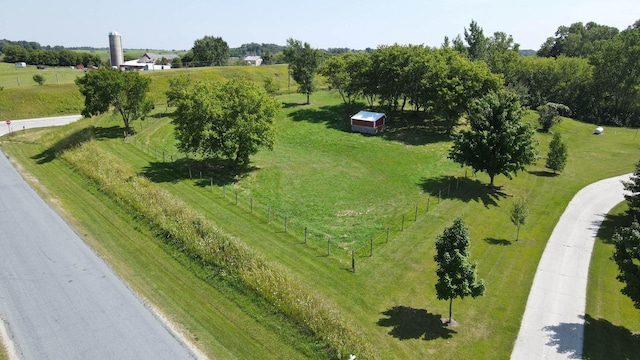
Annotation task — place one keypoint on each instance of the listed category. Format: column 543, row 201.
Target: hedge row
column 190, row 232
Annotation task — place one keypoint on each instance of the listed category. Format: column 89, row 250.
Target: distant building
column 253, row 60
column 116, row 54
column 21, row 64
column 148, row 62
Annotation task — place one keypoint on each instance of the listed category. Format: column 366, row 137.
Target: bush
column 39, row 79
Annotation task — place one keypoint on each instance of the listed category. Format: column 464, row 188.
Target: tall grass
column 188, row 231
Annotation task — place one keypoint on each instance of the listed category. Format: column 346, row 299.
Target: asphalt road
column 18, row 125
column 58, row 299
column 553, row 323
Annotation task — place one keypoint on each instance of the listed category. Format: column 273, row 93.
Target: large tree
column 210, row 51
column 633, row 187
column 627, row 257
column 497, row 141
column 577, row 40
column 303, row 63
column 457, row 276
column 125, row 91
column 229, row 120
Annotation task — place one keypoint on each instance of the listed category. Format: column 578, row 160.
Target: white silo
column 115, row 49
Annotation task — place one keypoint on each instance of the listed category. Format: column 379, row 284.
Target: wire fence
column 324, row 245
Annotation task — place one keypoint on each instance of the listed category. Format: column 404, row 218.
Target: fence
column 322, row 243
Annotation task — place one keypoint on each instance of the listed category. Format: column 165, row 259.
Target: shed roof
column 367, row 116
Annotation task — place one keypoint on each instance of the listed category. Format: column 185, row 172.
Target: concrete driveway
column 553, row 323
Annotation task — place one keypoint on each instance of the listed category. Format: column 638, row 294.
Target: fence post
column 387, row 234
column 212, row 184
column 402, row 222
column 465, row 173
column 415, row 218
column 200, row 174
column 439, row 195
column 236, row 197
column 371, row 248
column 305, row 234
column 171, row 157
column 285, row 224
column 328, row 246
column 457, row 183
column 251, row 204
column 428, row 203
column 162, row 155
column 224, row 191
column 353, row 261
column 269, row 215
column 189, row 171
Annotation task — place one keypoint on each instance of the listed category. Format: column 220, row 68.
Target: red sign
column 8, row 122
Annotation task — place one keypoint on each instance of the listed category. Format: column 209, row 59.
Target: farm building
column 21, row 64
column 148, row 62
column 253, row 60
column 368, row 122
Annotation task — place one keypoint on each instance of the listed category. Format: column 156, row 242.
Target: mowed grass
column 311, row 175
column 222, row 320
column 612, row 323
column 12, row 77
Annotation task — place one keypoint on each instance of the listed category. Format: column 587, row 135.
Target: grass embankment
column 309, row 177
column 612, row 324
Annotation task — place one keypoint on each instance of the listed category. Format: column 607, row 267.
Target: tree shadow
column 566, row 338
column 112, row 132
column 611, row 224
column 493, row 241
column 467, row 190
column 409, row 323
column 218, row 172
column 604, row 340
column 287, row 105
column 543, row 173
column 333, row 116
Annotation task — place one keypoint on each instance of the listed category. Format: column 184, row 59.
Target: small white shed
column 21, row 64
column 368, row 122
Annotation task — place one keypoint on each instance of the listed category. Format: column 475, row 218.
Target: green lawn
column 612, row 329
column 348, row 188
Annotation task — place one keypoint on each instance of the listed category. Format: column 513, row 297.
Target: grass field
column 348, row 188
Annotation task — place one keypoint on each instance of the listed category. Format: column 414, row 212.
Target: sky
column 355, row 24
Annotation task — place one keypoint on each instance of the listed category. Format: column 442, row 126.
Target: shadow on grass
column 407, row 127
column 604, row 340
column 409, row 323
column 502, row 242
column 464, row 189
column 77, row 138
column 611, row 224
column 543, row 173
column 217, row 171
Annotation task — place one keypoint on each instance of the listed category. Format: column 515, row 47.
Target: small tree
column 633, row 186
column 557, row 157
column 126, row 91
column 39, row 79
column 270, row 86
column 550, row 114
column 457, row 277
column 303, row 63
column 519, row 213
column 627, row 257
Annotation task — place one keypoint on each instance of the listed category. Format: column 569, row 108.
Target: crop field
column 346, row 190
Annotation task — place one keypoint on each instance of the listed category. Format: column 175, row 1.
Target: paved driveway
column 18, row 125
column 58, row 299
column 553, row 323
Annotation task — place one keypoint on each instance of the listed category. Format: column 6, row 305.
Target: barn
column 368, row 122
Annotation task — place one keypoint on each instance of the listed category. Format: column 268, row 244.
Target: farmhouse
column 253, row 60
column 368, row 122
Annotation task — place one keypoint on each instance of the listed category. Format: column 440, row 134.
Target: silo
column 115, row 49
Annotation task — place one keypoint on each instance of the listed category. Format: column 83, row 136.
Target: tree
column 519, row 213
column 210, row 51
column 345, row 73
column 125, row 91
column 577, row 40
column 476, row 41
column 303, row 63
column 39, row 79
column 633, row 187
column 457, row 277
column 229, row 120
column 557, row 157
column 550, row 115
column 627, row 257
column 497, row 142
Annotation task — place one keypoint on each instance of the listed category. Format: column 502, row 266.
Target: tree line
column 52, row 57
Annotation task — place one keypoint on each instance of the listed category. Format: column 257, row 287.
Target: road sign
column 8, row 122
